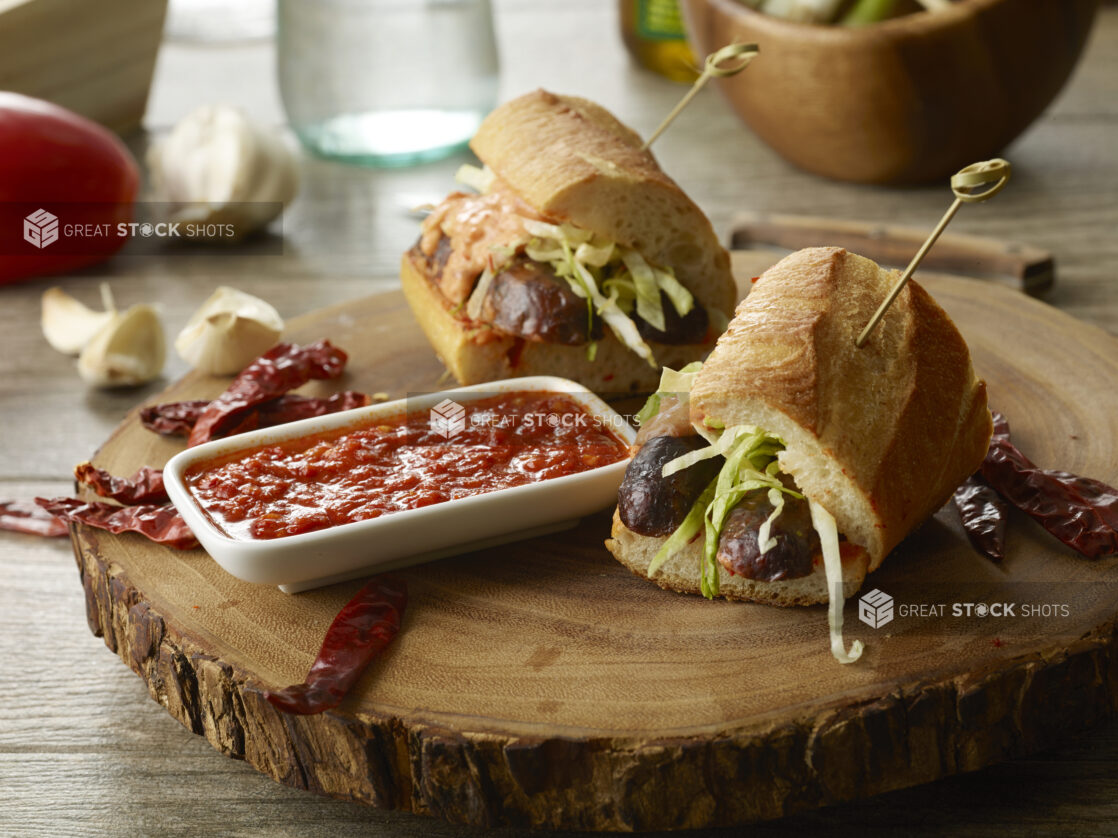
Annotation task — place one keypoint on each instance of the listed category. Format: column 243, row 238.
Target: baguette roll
column 562, row 160
column 574, row 162
column 879, row 437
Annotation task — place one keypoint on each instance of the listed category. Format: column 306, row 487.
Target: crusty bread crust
column 880, row 436
column 574, row 161
column 475, row 353
column 681, row 572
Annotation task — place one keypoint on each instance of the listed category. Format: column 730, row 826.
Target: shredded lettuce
column 765, row 541
column 648, row 292
column 679, row 381
column 625, row 291
column 568, row 269
column 499, row 257
column 568, row 233
column 627, row 280
column 596, row 255
column 649, row 281
column 477, row 297
column 607, row 308
column 824, row 524
column 547, row 255
column 672, row 383
column 706, row 432
column 650, row 409
column 745, row 470
column 586, row 261
column 475, row 178
column 750, row 466
column 680, row 297
column 719, row 447
column 686, row 531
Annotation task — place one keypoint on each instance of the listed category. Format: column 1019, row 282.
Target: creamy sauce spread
column 475, row 224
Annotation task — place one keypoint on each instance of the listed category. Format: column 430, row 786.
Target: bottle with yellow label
column 653, row 33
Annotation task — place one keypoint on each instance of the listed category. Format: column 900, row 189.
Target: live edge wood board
column 540, row 684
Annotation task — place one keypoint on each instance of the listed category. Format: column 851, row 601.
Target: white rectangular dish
column 399, row 539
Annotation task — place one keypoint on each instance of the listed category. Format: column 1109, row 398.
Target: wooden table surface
column 84, row 750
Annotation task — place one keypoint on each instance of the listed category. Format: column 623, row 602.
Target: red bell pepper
column 63, row 164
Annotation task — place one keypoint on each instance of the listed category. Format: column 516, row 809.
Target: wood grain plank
column 74, row 769
column 512, row 699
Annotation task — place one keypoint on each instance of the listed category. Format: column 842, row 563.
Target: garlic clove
column 128, row 350
column 216, row 165
column 228, row 332
column 68, row 325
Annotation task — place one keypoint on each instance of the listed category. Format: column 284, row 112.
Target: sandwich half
column 789, row 465
column 576, row 257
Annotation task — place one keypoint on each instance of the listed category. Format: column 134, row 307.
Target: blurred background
column 343, row 234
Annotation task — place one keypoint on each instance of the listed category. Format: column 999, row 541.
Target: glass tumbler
column 386, row 82
column 217, row 21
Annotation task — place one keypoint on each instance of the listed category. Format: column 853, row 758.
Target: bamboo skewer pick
column 963, row 184
column 715, row 65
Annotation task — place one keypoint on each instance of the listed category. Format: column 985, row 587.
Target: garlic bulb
column 128, row 350
column 230, row 330
column 217, row 166
column 69, row 325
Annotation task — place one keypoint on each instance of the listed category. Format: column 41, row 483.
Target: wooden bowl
column 907, row 100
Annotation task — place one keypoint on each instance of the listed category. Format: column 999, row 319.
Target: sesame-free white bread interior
column 879, row 436
column 575, row 162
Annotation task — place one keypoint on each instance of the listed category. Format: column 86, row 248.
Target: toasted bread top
column 575, row 162
column 880, row 436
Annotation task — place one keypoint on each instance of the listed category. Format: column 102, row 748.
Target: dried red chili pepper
column 172, row 418
column 282, row 368
column 983, row 513
column 145, row 486
column 291, row 408
column 364, row 626
column 161, row 524
column 177, row 418
column 30, row 519
column 1080, row 511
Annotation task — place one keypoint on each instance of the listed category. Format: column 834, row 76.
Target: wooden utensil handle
column 1026, row 268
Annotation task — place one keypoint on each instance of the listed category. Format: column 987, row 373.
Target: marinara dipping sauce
column 398, row 463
